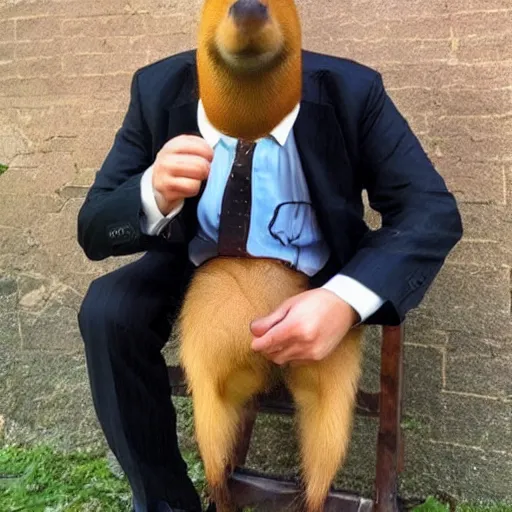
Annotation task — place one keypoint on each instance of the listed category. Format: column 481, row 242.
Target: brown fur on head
column 249, row 67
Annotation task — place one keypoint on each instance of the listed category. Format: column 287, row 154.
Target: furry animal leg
column 218, row 406
column 325, row 394
column 222, row 371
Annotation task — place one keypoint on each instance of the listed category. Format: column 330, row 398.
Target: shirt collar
column 213, row 136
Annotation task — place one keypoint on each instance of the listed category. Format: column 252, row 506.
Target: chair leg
column 389, row 443
column 244, row 439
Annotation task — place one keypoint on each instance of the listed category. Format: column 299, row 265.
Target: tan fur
column 246, row 97
column 224, row 373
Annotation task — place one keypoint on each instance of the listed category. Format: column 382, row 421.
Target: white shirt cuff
column 362, row 299
column 153, row 221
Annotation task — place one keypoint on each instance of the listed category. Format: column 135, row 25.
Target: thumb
column 260, row 326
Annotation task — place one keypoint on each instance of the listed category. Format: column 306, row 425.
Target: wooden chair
column 249, row 489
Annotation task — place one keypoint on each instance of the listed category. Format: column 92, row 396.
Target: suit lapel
column 326, row 168
column 183, row 109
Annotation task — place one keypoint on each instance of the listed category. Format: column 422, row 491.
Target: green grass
column 3, row 168
column 433, row 505
column 39, row 479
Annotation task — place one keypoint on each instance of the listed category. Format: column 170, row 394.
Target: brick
column 67, row 8
column 39, row 180
column 6, row 51
column 38, row 28
column 475, row 24
column 25, row 87
column 6, row 30
column 476, row 5
column 127, row 25
column 161, row 6
column 369, row 10
column 84, row 179
column 422, row 380
column 165, row 45
column 414, row 100
column 479, row 365
column 472, row 421
column 91, row 158
column 40, row 124
column 28, row 49
column 482, row 253
column 438, row 75
column 7, row 70
column 118, row 44
column 16, row 206
column 471, row 147
column 93, row 85
column 94, row 139
column 433, row 27
column 39, row 67
column 485, row 222
column 11, row 145
column 27, row 8
column 80, row 8
column 472, row 126
column 470, row 299
column 176, row 23
column 472, row 102
column 102, row 64
column 404, row 51
column 508, row 186
column 8, row 295
column 418, row 123
column 461, row 472
column 41, row 161
column 488, row 49
column 107, row 120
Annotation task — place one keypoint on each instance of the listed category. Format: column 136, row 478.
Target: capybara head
column 249, row 64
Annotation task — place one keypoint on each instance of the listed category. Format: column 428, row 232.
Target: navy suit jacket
column 350, row 138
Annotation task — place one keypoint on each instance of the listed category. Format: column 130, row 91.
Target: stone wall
column 65, row 70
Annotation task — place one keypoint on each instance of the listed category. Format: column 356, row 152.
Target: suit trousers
column 125, row 321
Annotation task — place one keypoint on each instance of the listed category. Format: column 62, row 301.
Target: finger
column 260, row 326
column 184, row 187
column 186, row 166
column 284, row 356
column 189, row 144
column 280, row 335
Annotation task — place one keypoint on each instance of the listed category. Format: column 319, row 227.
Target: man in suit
column 151, row 196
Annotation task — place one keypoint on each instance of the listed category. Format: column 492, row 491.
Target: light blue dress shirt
column 283, row 222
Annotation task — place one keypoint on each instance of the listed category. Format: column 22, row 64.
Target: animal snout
column 247, row 11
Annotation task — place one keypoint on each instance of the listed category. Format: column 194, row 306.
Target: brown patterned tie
column 235, row 214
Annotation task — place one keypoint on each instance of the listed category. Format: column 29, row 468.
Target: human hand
column 306, row 327
column 179, row 169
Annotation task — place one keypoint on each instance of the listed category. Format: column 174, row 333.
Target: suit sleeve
column 420, row 219
column 109, row 222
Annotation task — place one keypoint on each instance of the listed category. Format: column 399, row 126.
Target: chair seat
column 278, row 400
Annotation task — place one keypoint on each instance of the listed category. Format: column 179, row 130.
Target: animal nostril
column 244, row 10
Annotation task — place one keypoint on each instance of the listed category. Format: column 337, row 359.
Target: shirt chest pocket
column 294, row 223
